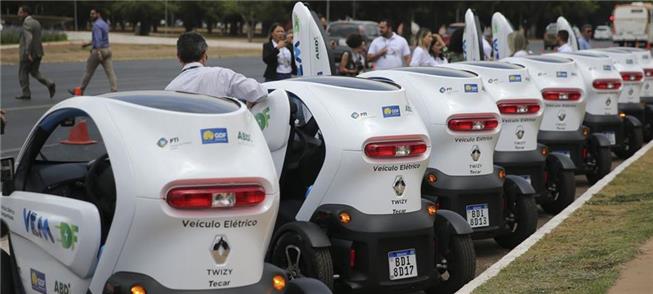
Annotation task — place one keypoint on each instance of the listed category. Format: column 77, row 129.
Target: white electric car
column 521, row 106
column 603, row 83
column 351, row 154
column 632, row 75
column 565, row 97
column 464, row 124
column 148, row 192
column 646, row 95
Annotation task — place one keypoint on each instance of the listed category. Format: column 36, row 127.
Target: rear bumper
column 606, row 124
column 455, row 193
column 646, row 99
column 527, row 164
column 373, row 237
column 568, row 143
column 634, row 109
column 121, row 282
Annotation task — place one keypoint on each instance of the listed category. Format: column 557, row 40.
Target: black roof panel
column 549, row 59
column 439, row 71
column 177, row 101
column 349, row 82
column 493, row 64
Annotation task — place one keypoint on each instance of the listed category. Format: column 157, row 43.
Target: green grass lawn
column 584, row 254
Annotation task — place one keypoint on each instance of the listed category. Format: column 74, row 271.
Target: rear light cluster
column 473, row 123
column 519, row 107
column 226, row 196
column 631, row 76
column 561, row 94
column 607, row 84
column 648, row 72
column 395, row 149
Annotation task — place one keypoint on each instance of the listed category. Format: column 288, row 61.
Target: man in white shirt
column 388, row 50
column 196, row 77
column 563, row 40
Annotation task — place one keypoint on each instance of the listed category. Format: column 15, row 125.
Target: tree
column 146, row 13
column 253, row 12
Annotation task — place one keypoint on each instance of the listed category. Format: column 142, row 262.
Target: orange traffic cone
column 79, row 135
column 77, row 91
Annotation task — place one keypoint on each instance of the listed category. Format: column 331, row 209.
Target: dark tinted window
column 498, row 65
column 588, row 54
column 347, row 82
column 177, row 101
column 439, row 71
column 549, row 59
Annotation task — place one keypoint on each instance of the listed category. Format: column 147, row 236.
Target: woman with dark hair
column 437, row 50
column 353, row 61
column 278, row 55
column 455, row 49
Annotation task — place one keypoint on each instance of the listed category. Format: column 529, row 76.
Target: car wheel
column 602, row 164
column 561, row 186
column 294, row 254
column 633, row 141
column 522, row 221
column 457, row 267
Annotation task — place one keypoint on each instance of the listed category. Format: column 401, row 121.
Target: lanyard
column 196, row 66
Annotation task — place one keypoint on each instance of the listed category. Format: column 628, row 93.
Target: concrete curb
column 551, row 224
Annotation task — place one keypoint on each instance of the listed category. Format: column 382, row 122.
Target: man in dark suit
column 31, row 52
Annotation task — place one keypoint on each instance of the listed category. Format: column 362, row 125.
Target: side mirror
column 68, row 122
column 7, row 175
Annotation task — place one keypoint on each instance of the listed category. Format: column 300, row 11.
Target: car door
column 55, row 230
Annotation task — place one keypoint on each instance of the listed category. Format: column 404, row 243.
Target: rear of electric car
column 521, row 107
column 464, row 125
column 203, row 193
column 603, row 83
column 564, row 94
column 367, row 192
column 646, row 95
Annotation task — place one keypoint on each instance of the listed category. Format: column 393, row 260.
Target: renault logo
column 399, row 186
column 562, row 115
column 476, row 153
column 608, row 101
column 520, row 132
column 220, row 249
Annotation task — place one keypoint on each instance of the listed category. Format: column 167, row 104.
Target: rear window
column 177, row 101
column 352, row 83
column 439, row 71
column 497, row 65
column 549, row 59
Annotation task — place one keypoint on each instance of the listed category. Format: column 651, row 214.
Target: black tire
column 632, row 142
column 602, row 161
column 561, row 186
column 524, row 224
column 294, row 254
column 460, row 265
column 647, row 130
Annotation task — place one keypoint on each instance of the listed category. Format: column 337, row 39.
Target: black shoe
column 23, row 97
column 52, row 89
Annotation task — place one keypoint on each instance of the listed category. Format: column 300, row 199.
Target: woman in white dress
column 421, row 56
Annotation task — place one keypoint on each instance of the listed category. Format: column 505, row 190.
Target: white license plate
column 402, row 264
column 478, row 215
column 563, row 152
column 527, row 178
column 611, row 137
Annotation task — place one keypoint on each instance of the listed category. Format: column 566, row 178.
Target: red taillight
column 473, row 123
column 352, row 258
column 561, row 94
column 631, row 76
column 648, row 72
column 395, row 149
column 607, row 84
column 518, row 107
column 215, row 196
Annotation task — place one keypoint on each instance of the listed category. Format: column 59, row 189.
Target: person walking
column 196, row 77
column 31, row 51
column 353, row 61
column 278, row 55
column 100, row 54
column 388, row 50
column 586, row 36
column 421, row 56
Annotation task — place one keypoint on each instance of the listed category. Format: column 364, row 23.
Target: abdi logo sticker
column 471, row 88
column 391, row 111
column 215, row 135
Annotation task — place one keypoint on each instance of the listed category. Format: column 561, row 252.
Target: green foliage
column 11, row 35
column 148, row 13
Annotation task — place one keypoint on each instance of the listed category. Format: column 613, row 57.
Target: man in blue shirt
column 586, row 35
column 100, row 54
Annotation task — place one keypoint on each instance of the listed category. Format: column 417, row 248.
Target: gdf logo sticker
column 220, row 249
column 471, row 88
column 215, row 135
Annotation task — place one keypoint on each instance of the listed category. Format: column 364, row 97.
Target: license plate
column 527, row 178
column 478, row 215
column 563, row 152
column 610, row 136
column 402, row 264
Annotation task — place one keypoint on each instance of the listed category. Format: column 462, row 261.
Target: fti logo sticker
column 514, row 78
column 471, row 88
column 215, row 135
column 391, row 111
column 561, row 74
column 38, row 281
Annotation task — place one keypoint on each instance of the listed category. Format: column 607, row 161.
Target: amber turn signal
column 279, row 282
column 502, row 173
column 431, row 178
column 138, row 289
column 344, row 218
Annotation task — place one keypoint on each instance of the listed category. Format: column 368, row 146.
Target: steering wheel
column 101, row 188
